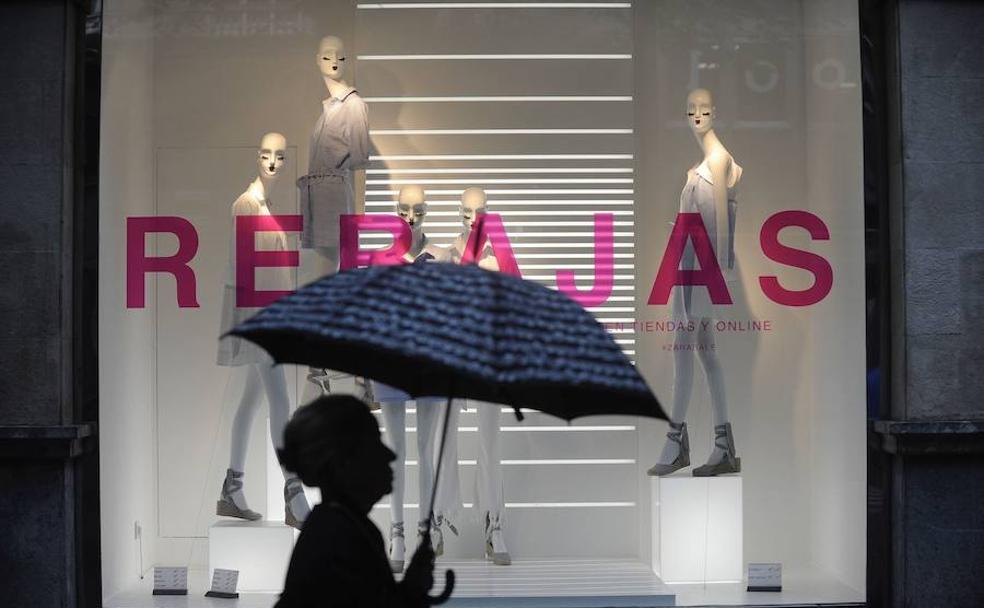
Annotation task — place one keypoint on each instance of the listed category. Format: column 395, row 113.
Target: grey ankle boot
column 676, row 434
column 725, row 441
column 226, row 506
column 292, row 487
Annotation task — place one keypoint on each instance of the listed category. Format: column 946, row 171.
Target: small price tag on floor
column 764, row 577
column 170, row 580
column 224, row 584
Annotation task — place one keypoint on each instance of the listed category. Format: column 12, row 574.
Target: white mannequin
column 261, row 373
column 489, row 503
column 336, row 176
column 710, row 190
column 412, row 207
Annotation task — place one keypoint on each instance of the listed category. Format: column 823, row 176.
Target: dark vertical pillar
column 933, row 431
column 49, row 520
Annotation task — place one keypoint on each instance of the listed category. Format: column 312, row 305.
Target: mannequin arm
column 719, row 164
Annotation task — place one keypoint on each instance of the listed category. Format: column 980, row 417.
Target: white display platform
column 697, row 528
column 259, row 550
column 555, row 583
column 526, row 584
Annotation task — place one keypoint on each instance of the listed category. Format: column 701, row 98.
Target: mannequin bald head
column 331, row 57
column 700, row 111
column 271, row 155
column 412, row 207
column 473, row 203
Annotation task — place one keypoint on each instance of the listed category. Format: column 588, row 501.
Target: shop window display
column 572, row 126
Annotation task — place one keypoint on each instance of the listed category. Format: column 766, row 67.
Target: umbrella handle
column 449, row 578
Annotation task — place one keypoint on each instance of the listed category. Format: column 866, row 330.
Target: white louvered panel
column 535, row 106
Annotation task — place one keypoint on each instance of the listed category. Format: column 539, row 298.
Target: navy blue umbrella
column 436, row 329
column 457, row 331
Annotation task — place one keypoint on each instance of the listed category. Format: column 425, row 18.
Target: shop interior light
column 492, row 191
column 502, row 180
column 395, row 157
column 468, row 170
column 509, row 57
column 499, row 98
column 404, row 132
column 533, row 505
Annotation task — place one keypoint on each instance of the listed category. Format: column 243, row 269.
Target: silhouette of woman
column 340, row 558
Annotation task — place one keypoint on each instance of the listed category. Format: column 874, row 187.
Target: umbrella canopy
column 436, row 329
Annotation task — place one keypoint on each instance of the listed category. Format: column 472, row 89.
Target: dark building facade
column 923, row 70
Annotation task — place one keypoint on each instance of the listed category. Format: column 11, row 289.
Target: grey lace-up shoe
column 495, row 548
column 397, row 538
column 678, row 435
column 226, row 505
column 724, row 440
column 292, row 487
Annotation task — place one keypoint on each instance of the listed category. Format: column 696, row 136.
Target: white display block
column 260, row 551
column 697, row 529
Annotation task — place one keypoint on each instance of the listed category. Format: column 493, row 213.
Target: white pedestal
column 260, row 551
column 697, row 529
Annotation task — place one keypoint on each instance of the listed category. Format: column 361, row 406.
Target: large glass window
column 720, row 141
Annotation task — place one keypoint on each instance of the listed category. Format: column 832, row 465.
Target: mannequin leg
column 447, row 505
column 713, row 371
column 489, row 473
column 275, row 385
column 488, row 480
column 428, row 414
column 683, row 383
column 232, row 501
column 723, row 458
column 322, row 264
column 394, row 418
column 249, row 404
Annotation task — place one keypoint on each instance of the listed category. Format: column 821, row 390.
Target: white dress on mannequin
column 262, row 376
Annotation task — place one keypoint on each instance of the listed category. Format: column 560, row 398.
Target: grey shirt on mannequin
column 339, row 145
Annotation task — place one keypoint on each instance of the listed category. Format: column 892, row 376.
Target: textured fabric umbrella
column 436, row 329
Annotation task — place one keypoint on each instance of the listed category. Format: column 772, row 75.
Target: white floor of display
column 526, row 584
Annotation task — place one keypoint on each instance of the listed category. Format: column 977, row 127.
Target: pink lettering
column 604, row 266
column 138, row 264
column 488, row 227
column 689, row 226
column 823, row 274
column 351, row 225
column 248, row 259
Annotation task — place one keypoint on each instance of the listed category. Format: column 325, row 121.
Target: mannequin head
column 412, row 207
column 331, row 57
column 700, row 111
column 271, row 155
column 473, row 204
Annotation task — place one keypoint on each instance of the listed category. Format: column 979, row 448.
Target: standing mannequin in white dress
column 412, row 208
column 262, row 376
column 711, row 192
column 489, row 503
column 335, row 181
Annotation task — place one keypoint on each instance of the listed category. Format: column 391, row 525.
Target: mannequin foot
column 232, row 502
column 723, row 459
column 319, row 377
column 364, row 392
column 296, row 508
column 425, row 533
column 398, row 547
column 495, row 544
column 676, row 452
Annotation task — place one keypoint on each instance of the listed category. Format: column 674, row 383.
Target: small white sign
column 170, row 580
column 764, row 577
column 224, row 583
